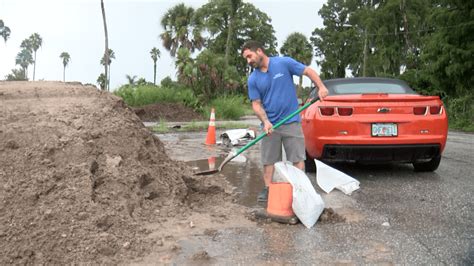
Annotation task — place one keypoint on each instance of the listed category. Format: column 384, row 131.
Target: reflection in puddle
column 246, row 176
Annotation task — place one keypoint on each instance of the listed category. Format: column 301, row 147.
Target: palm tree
column 106, row 54
column 184, row 62
column 101, row 80
column 36, row 41
column 110, row 55
column 131, row 80
column 297, row 46
column 155, row 54
column 4, row 31
column 181, row 30
column 66, row 58
column 24, row 59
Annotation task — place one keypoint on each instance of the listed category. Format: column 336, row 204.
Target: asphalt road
column 397, row 216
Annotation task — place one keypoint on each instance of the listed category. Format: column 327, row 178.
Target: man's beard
column 258, row 63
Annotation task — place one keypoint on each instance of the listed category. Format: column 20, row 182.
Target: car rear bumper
column 380, row 153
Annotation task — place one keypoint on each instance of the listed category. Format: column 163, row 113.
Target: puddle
column 246, row 176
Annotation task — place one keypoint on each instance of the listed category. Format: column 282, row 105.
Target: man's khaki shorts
column 291, row 136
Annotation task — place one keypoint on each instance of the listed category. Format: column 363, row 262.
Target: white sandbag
column 307, row 204
column 329, row 178
column 236, row 136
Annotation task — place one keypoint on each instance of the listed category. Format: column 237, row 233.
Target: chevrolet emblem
column 383, row 110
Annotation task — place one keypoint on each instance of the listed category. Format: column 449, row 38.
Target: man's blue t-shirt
column 275, row 88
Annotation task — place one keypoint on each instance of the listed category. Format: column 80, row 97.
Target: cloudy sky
column 75, row 26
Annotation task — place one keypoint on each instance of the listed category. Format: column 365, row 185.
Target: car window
column 368, row 88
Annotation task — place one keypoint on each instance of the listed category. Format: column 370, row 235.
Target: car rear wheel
column 309, row 164
column 428, row 166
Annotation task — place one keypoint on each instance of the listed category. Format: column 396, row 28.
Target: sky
column 76, row 27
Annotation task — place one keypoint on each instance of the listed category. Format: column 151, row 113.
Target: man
column 273, row 95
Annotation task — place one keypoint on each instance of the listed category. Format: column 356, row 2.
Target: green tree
column 17, row 74
column 107, row 60
column 298, row 47
column 32, row 44
column 4, row 31
column 131, row 80
column 106, row 50
column 230, row 24
column 65, row 57
column 449, row 52
column 181, row 30
column 185, row 66
column 334, row 43
column 24, row 59
column 447, row 59
column 390, row 35
column 36, row 41
column 155, row 54
column 102, row 81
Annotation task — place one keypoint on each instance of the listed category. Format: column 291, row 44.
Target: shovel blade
column 207, row 172
column 229, row 157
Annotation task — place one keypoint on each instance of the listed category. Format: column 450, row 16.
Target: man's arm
column 311, row 74
column 262, row 115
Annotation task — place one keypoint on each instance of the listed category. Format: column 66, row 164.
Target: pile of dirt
column 173, row 112
column 81, row 178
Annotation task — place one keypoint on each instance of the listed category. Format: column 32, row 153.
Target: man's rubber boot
column 263, row 195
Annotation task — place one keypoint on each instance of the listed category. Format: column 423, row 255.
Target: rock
column 126, row 245
column 11, row 144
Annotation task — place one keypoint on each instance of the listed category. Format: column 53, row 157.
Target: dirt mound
column 330, row 216
column 173, row 112
column 80, row 177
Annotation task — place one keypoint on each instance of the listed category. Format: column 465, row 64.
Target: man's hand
column 262, row 115
column 267, row 127
column 322, row 92
column 311, row 73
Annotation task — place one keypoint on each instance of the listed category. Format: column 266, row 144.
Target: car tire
column 429, row 166
column 309, row 164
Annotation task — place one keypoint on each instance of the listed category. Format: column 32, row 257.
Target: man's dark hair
column 252, row 46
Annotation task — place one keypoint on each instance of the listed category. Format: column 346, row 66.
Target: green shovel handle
column 277, row 125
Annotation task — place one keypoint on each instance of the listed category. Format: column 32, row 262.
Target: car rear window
column 369, row 87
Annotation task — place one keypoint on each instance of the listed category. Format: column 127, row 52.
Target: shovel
column 234, row 154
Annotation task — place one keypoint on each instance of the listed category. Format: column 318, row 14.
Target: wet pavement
column 397, row 216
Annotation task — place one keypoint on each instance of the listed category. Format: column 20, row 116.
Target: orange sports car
column 375, row 120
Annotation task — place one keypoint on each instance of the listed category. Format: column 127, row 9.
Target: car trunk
column 378, row 119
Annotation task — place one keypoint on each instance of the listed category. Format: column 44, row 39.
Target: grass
column 227, row 107
column 141, row 95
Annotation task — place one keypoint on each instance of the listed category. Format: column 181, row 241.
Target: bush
column 229, row 107
column 147, row 94
column 461, row 112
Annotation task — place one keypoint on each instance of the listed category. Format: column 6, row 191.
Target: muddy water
column 244, row 172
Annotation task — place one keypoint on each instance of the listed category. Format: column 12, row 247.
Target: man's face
column 254, row 59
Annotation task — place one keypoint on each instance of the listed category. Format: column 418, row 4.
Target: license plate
column 384, row 130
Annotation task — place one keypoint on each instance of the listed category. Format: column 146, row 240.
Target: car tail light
column 344, row 111
column 435, row 110
column 419, row 110
column 326, row 111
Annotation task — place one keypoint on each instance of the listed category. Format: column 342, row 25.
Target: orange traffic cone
column 280, row 199
column 211, row 130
